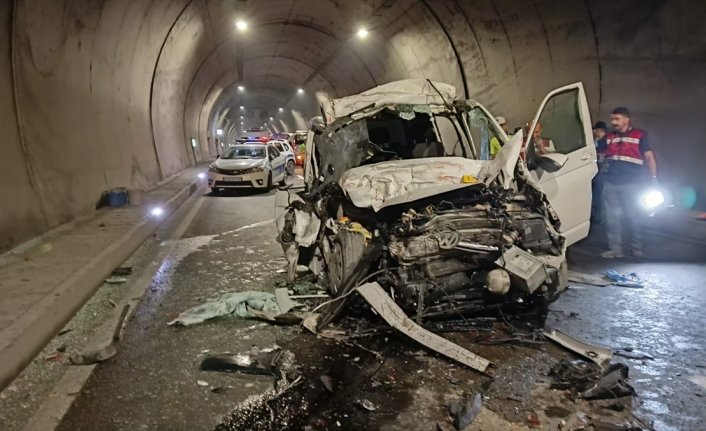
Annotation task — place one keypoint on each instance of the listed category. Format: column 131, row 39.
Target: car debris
column 600, row 355
column 106, row 352
column 327, row 382
column 121, row 271
column 630, row 353
column 395, row 316
column 465, row 410
column 591, row 382
column 256, row 361
column 116, row 280
column 590, row 279
column 395, row 194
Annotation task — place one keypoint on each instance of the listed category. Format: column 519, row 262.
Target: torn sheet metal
column 599, row 355
column 306, row 228
column 401, row 181
column 395, row 317
column 406, row 92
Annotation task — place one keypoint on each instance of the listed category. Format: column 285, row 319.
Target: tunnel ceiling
column 109, row 93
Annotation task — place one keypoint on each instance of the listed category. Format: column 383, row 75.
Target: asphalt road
column 155, row 383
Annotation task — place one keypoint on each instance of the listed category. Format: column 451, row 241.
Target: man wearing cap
column 629, row 163
column 599, row 132
column 495, row 144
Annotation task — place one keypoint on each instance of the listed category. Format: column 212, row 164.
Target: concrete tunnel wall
column 99, row 94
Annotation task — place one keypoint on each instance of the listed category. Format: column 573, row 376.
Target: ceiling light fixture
column 362, row 33
column 242, row 107
column 281, row 109
column 300, row 91
column 241, row 88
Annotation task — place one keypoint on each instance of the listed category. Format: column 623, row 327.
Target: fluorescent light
column 271, row 118
column 241, row 117
column 241, row 25
column 242, row 107
column 241, row 88
column 362, row 33
column 281, row 109
column 219, row 132
column 300, row 91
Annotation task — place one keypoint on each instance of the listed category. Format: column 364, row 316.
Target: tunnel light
column 362, row 33
column 241, row 25
column 201, row 175
column 281, row 109
column 241, row 117
column 219, row 132
column 271, row 118
column 242, row 107
column 157, row 212
column 241, row 88
column 300, row 90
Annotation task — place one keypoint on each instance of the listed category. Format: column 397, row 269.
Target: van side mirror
column 551, row 162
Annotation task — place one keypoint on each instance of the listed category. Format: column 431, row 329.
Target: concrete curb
column 25, row 338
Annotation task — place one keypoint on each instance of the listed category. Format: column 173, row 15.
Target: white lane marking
column 250, row 226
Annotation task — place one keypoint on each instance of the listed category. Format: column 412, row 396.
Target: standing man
column 629, row 164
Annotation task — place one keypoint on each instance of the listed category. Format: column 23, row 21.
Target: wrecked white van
column 400, row 190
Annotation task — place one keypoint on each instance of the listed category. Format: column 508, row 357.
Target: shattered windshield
column 244, row 152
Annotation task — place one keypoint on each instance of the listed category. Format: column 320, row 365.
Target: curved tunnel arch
column 83, row 78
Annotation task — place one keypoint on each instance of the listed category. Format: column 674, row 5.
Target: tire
column 290, row 167
column 269, row 181
column 215, row 192
column 346, row 250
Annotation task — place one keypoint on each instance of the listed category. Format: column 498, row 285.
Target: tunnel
column 106, row 94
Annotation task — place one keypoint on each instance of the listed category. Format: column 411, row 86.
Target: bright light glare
column 241, row 117
column 219, row 132
column 300, row 91
column 201, row 175
column 241, row 25
column 281, row 109
column 652, row 199
column 271, row 118
column 241, row 88
column 157, row 211
column 362, row 33
column 242, row 107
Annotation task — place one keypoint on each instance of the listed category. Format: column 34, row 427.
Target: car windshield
column 244, row 152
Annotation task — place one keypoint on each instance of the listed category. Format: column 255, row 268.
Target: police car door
column 566, row 171
column 277, row 163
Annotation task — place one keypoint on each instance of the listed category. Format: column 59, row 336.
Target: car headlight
column 212, row 168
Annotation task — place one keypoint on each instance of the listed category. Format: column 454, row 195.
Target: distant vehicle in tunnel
column 247, row 166
column 400, row 189
column 286, row 149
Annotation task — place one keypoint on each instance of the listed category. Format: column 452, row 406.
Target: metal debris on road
column 629, row 353
column 201, row 383
column 256, row 361
column 465, row 410
column 367, row 405
column 327, row 382
column 116, row 280
column 599, row 355
column 590, row 382
column 395, row 317
column 121, row 271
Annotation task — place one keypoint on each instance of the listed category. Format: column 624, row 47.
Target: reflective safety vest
column 625, row 146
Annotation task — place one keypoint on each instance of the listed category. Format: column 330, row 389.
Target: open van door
column 562, row 157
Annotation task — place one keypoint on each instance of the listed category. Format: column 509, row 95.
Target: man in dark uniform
column 629, row 164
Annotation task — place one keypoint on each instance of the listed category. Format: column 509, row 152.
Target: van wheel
column 269, row 181
column 290, row 167
column 215, row 192
column 346, row 251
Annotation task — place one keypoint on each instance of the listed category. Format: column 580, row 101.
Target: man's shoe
column 611, row 254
